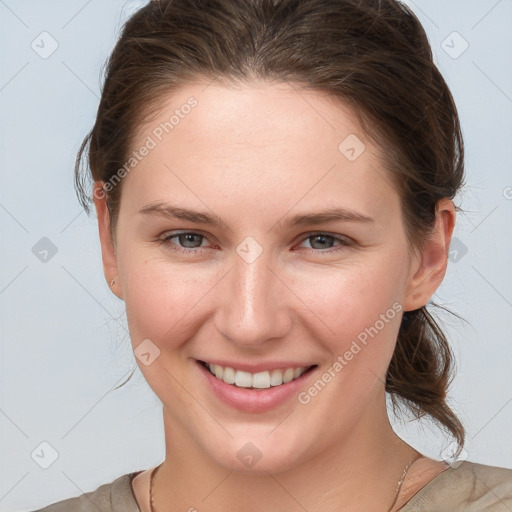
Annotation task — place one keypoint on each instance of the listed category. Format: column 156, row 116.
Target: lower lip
column 250, row 399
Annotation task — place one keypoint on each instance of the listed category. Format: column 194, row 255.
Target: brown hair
column 371, row 55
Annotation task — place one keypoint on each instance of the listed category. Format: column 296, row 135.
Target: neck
column 360, row 472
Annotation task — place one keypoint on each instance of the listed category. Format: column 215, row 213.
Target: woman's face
column 292, row 254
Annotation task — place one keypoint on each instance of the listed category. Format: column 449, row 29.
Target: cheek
column 355, row 295
column 360, row 304
column 161, row 299
column 360, row 312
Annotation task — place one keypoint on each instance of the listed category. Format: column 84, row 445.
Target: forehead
column 253, row 114
column 272, row 141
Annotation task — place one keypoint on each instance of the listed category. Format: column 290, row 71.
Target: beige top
column 470, row 487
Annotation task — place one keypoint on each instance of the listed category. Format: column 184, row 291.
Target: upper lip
column 260, row 367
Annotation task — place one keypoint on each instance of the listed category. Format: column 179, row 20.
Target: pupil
column 188, row 238
column 322, row 238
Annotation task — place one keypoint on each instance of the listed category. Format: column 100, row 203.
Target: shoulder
column 469, row 487
column 116, row 496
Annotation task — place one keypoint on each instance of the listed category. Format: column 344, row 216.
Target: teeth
column 276, row 378
column 243, row 379
column 229, row 375
column 288, row 375
column 219, row 371
column 259, row 380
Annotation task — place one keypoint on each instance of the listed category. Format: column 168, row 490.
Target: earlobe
column 108, row 250
column 431, row 259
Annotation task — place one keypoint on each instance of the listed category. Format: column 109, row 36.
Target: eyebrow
column 301, row 219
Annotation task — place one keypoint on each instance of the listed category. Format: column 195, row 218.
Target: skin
column 255, row 155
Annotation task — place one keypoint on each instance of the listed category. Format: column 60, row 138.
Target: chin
column 258, row 455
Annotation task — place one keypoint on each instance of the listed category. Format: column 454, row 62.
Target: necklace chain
column 397, row 491
column 399, row 485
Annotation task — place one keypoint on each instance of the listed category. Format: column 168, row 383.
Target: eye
column 321, row 241
column 187, row 241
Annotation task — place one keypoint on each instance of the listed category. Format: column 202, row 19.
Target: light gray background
column 64, row 343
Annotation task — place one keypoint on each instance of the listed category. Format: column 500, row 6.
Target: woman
column 273, row 181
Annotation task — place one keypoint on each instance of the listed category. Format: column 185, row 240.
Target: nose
column 254, row 304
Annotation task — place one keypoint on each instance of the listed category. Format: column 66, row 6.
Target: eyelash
column 166, row 240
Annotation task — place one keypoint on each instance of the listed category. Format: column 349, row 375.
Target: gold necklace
column 397, row 491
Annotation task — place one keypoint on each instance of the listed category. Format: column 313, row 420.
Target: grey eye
column 189, row 240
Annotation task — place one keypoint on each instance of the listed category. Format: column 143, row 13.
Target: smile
column 260, row 380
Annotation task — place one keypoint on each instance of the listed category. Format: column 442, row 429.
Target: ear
column 108, row 250
column 431, row 259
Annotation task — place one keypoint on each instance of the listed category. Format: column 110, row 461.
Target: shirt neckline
column 419, row 494
column 404, row 508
